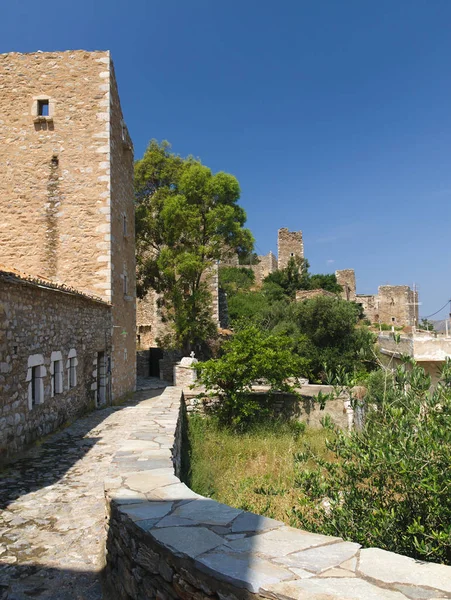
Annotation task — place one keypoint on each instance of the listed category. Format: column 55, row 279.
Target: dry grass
column 253, row 471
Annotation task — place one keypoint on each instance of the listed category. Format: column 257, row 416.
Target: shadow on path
column 52, row 534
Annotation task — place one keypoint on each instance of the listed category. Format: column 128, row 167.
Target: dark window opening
column 58, row 377
column 393, row 319
column 72, row 373
column 43, row 108
column 35, row 385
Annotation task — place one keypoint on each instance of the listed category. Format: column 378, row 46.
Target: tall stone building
column 346, row 278
column 289, row 245
column 66, row 194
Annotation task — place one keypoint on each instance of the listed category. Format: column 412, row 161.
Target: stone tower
column 66, row 186
column 289, row 244
column 346, row 278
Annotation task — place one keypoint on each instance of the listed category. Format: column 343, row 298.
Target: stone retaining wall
column 166, row 542
column 287, row 406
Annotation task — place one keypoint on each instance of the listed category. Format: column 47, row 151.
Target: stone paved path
column 52, row 510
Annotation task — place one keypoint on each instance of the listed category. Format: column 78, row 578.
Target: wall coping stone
column 233, row 552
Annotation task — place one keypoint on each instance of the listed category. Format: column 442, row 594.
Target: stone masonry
column 39, row 326
column 165, row 541
column 289, row 245
column 393, row 304
column 346, row 278
column 66, row 189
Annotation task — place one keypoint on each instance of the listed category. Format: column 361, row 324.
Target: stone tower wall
column 122, row 232
column 67, row 184
column 55, row 171
column 289, row 244
column 397, row 305
column 346, row 278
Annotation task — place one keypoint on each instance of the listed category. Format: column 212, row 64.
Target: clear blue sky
column 335, row 115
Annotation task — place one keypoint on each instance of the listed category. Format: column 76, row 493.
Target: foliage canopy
column 186, row 219
column 252, row 355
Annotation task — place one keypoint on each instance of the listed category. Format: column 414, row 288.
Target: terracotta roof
column 15, row 276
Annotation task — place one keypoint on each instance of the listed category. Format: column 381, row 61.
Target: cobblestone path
column 52, row 510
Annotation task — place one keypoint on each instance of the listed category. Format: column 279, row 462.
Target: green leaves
column 249, row 357
column 390, row 480
column 187, row 217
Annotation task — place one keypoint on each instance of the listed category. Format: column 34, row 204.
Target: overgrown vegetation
column 385, row 484
column 321, row 332
column 254, row 470
column 251, row 355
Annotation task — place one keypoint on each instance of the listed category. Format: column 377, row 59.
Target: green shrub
column 250, row 356
column 391, row 485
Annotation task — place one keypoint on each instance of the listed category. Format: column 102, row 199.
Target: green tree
column 295, row 276
column 187, row 218
column 235, row 279
column 426, row 325
column 325, row 282
column 251, row 355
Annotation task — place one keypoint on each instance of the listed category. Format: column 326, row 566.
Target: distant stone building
column 393, row 304
column 346, row 278
column 289, row 245
column 66, row 195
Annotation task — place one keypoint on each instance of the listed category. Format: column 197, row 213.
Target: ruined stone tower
column 289, row 244
column 346, row 278
column 66, row 188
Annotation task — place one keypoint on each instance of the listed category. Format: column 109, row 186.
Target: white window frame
column 71, row 368
column 36, row 372
column 57, row 376
column 35, row 108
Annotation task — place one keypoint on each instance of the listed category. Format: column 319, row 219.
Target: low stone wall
column 166, row 542
column 286, row 406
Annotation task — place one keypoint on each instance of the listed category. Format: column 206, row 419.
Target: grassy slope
column 254, row 471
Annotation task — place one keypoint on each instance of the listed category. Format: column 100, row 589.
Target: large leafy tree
column 187, row 219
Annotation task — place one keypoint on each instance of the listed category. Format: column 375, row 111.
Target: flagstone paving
column 52, row 509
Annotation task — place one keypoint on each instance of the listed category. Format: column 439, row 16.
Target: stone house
column 67, row 285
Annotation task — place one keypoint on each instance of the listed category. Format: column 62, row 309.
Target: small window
column 35, row 377
column 291, row 253
column 125, row 285
column 72, row 373
column 393, row 319
column 56, row 371
column 43, row 108
column 124, row 225
column 35, row 386
column 58, row 377
column 71, row 366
